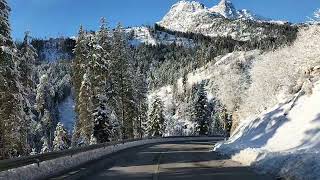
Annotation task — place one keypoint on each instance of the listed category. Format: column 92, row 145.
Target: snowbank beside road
column 284, row 140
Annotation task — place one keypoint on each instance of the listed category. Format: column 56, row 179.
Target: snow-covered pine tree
column 47, row 127
column 156, row 119
column 13, row 138
column 184, row 81
column 199, row 112
column 28, row 77
column 141, row 90
column 121, row 89
column 45, row 146
column 44, row 108
column 61, row 140
column 93, row 140
column 103, row 127
column 27, row 63
column 5, row 30
column 98, row 58
column 42, row 95
column 79, row 64
column 85, row 110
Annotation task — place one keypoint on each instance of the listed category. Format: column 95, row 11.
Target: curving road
column 190, row 160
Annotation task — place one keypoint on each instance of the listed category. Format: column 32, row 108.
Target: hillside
column 273, row 95
column 284, row 140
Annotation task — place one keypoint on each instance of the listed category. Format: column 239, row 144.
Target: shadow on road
column 185, row 161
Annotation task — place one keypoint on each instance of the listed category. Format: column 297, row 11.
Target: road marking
column 157, row 170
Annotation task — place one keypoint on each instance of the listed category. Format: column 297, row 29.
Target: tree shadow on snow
column 262, row 129
column 312, row 136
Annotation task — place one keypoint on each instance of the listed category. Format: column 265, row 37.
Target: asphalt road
column 182, row 161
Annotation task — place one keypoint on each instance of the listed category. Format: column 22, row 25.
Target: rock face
column 226, row 9
column 221, row 20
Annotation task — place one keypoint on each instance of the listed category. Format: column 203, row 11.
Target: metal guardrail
column 37, row 159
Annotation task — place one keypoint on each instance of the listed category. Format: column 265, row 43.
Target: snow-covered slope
column 139, row 35
column 53, row 49
column 220, row 72
column 279, row 129
column 284, row 140
column 276, row 98
column 220, row 20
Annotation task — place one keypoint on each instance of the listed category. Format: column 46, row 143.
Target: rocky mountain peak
column 226, row 9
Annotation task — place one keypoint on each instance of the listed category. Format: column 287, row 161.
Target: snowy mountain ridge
column 227, row 10
column 221, row 20
column 224, row 8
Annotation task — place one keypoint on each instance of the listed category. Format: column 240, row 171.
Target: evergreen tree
column 79, row 65
column 103, row 127
column 28, row 78
column 79, row 62
column 185, row 81
column 121, row 90
column 85, row 110
column 13, row 139
column 47, row 125
column 61, row 140
column 42, row 95
column 27, row 63
column 199, row 112
column 45, row 146
column 156, row 120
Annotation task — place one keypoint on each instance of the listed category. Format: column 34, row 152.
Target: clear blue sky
column 52, row 18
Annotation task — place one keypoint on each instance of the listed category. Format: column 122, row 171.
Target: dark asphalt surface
column 182, row 161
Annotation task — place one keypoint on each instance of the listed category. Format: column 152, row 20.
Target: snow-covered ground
column 142, row 35
column 177, row 125
column 216, row 73
column 279, row 129
column 284, row 140
column 52, row 51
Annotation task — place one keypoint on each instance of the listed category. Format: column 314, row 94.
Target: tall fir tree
column 13, row 139
column 85, row 110
column 199, row 112
column 79, row 64
column 156, row 119
column 27, row 64
column 141, row 90
column 28, row 77
column 121, row 88
column 103, row 127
